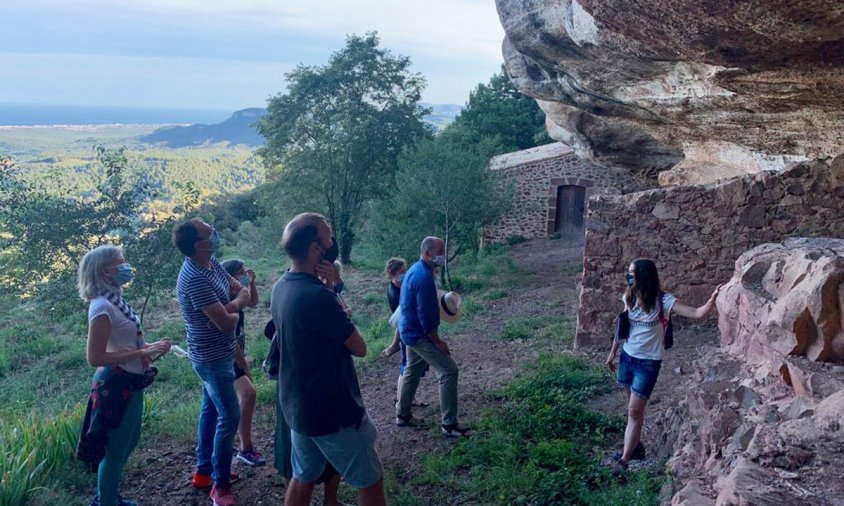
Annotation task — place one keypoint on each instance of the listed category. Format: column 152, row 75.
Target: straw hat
column 449, row 306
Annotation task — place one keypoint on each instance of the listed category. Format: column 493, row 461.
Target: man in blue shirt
column 418, row 323
column 205, row 291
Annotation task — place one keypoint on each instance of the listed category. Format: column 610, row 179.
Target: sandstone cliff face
column 786, row 299
column 762, row 421
column 718, row 88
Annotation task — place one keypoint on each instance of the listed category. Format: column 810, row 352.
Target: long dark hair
column 645, row 287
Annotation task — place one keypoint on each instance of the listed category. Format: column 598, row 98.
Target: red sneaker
column 222, row 496
column 204, row 480
column 201, row 480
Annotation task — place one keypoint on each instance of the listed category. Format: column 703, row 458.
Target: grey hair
column 91, row 282
column 429, row 244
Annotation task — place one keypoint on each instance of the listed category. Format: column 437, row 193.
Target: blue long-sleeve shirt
column 420, row 311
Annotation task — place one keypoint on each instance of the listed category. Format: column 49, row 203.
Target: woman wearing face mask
column 116, row 348
column 641, row 356
column 395, row 270
column 246, row 392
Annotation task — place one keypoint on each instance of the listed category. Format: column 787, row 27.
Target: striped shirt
column 198, row 288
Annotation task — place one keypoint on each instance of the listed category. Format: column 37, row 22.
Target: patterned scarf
column 120, row 303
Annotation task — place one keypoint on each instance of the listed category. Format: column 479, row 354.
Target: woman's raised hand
column 716, row 292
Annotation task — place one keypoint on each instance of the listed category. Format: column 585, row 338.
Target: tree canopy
column 334, row 137
column 500, row 113
column 443, row 186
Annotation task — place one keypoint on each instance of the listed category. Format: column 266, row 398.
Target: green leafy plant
column 540, row 445
column 337, row 131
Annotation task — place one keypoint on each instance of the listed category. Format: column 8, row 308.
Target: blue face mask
column 215, row 241
column 245, row 280
column 124, row 274
column 630, row 279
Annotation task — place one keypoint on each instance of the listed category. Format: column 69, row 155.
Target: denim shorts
column 638, row 374
column 351, row 451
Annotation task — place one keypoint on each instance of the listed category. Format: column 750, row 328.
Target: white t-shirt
column 124, row 332
column 645, row 340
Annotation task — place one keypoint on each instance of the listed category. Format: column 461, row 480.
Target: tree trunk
column 146, row 299
column 346, row 240
column 446, row 273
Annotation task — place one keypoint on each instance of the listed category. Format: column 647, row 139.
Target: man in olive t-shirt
column 320, row 395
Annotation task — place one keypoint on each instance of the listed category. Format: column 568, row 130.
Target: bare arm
column 253, row 290
column 221, row 317
column 612, row 355
column 355, row 344
column 98, row 332
column 239, row 302
column 697, row 312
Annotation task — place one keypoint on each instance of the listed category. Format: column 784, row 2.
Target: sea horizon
column 30, row 115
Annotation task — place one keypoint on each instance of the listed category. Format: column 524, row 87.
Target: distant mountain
column 442, row 114
column 238, row 129
column 62, row 114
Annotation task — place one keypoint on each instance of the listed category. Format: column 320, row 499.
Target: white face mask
column 439, row 260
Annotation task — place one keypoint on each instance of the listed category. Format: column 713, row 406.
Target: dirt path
column 161, row 472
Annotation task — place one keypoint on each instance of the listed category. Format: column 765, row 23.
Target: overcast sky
column 227, row 54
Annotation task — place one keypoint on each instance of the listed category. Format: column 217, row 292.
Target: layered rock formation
column 749, row 433
column 717, row 88
column 783, row 300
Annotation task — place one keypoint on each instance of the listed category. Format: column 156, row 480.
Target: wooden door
column 570, row 206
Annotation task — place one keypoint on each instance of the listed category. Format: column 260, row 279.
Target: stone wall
column 535, row 175
column 696, row 233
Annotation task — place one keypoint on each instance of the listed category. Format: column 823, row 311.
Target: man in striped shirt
column 210, row 299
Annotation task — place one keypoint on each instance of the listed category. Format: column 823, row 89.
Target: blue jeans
column 218, row 420
column 638, row 374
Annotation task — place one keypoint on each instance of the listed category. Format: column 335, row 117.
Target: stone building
column 551, row 186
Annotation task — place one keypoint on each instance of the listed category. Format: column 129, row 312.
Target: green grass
column 558, row 328
column 539, row 445
column 33, row 450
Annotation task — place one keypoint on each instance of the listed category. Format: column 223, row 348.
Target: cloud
column 451, row 29
column 90, row 79
column 226, row 53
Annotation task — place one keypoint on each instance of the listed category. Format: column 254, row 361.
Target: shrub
column 32, row 449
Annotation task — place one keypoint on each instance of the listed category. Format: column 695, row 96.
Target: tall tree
column 335, row 135
column 499, row 112
column 443, row 188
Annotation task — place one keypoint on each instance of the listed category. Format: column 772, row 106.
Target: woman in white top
column 641, row 357
column 117, row 349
